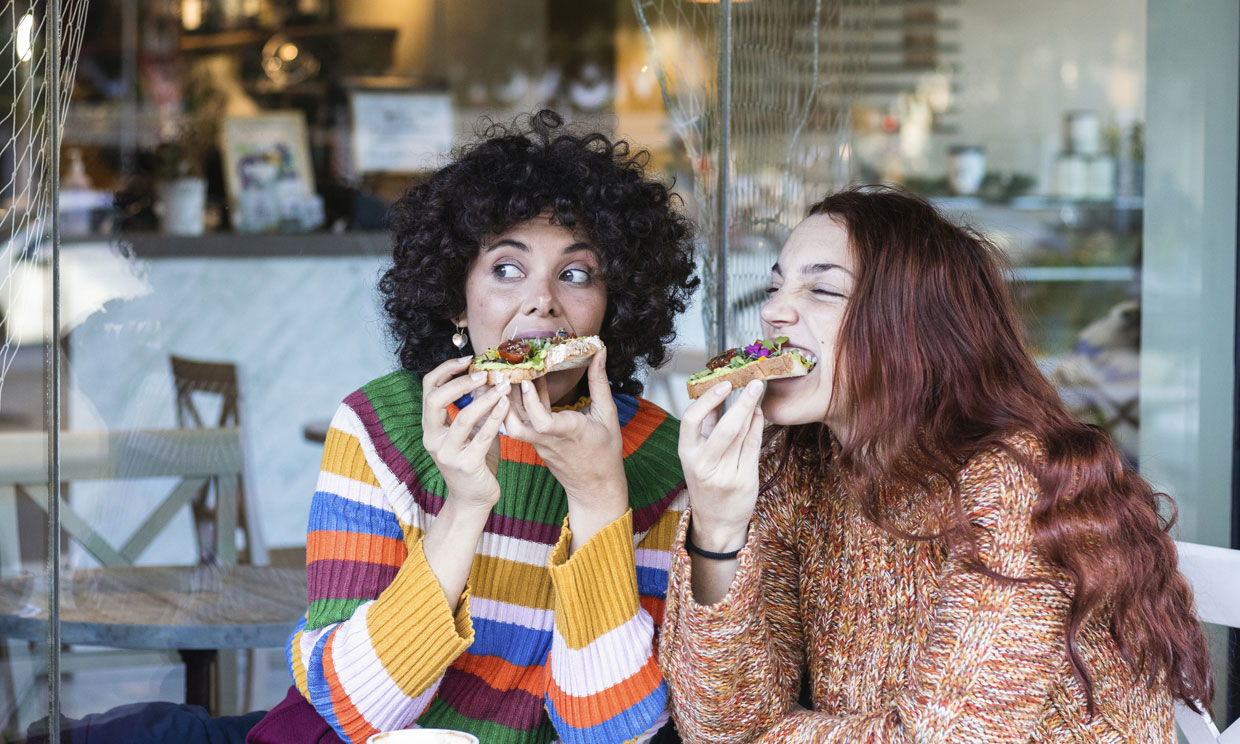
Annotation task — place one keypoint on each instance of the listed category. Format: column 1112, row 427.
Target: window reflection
column 227, row 167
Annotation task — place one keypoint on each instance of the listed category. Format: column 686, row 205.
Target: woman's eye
column 771, row 289
column 506, row 271
column 576, row 276
column 824, row 292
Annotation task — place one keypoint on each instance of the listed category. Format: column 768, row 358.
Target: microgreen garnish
column 763, row 348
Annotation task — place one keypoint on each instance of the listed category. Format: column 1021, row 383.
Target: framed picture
column 400, row 130
column 268, row 174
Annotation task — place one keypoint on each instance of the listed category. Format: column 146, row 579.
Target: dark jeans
column 149, row 723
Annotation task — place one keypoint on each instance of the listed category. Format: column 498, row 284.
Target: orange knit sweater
column 901, row 643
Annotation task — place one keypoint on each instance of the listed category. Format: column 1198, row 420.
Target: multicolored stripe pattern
column 543, row 646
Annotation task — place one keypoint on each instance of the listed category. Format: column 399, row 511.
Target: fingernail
column 722, row 388
column 526, row 386
column 754, row 389
column 478, row 376
column 465, row 358
column 504, row 387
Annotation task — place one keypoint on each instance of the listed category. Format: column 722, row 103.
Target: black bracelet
column 689, row 546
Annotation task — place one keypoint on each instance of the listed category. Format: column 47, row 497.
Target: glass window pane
column 226, row 172
column 1189, row 285
column 223, row 290
column 29, row 352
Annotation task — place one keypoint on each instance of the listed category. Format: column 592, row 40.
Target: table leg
column 199, row 665
column 226, row 673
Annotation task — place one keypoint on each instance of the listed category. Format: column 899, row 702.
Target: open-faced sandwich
column 761, row 360
column 535, row 355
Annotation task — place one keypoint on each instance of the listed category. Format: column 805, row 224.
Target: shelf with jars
column 1076, row 277
column 1074, row 261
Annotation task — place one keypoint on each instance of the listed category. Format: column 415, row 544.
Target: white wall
column 1023, row 65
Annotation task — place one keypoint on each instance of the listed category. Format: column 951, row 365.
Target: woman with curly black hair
column 494, row 559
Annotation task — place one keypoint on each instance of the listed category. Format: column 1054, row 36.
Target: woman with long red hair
column 927, row 540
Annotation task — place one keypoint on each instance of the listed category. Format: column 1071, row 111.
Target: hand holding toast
column 459, row 447
column 583, row 449
column 719, row 455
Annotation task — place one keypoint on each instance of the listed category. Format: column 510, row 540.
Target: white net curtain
column 26, row 180
column 796, row 67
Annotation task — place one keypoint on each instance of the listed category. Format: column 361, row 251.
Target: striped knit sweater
column 902, row 643
column 542, row 645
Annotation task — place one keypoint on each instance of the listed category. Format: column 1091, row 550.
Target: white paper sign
column 400, row 131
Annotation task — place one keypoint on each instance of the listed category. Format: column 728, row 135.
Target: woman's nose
column 542, row 302
column 777, row 310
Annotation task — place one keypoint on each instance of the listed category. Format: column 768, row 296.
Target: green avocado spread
column 742, row 356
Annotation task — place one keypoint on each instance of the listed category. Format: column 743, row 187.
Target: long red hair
column 933, row 370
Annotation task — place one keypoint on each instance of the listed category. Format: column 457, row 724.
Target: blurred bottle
column 77, row 198
column 1130, row 161
column 1082, row 133
column 1072, row 176
column 1100, row 177
column 966, row 167
column 1084, row 170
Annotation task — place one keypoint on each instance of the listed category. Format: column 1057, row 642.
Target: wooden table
column 196, row 610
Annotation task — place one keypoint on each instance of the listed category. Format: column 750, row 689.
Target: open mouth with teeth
column 538, row 334
column 813, row 360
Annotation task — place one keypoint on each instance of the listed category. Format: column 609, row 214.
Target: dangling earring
column 460, row 338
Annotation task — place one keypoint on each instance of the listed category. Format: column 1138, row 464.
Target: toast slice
column 544, row 357
column 766, row 368
column 761, row 360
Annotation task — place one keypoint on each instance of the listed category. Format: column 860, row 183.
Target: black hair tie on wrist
column 689, row 546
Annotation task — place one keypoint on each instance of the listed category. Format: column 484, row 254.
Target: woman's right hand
column 720, row 460
column 459, row 447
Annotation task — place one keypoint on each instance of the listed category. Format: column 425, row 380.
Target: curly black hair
column 515, row 173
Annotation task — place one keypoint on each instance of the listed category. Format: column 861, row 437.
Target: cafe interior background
column 224, row 167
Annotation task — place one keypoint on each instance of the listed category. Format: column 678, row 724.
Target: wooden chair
column 1212, row 572
column 193, row 380
column 194, row 456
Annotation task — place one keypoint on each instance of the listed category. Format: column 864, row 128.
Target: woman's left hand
column 583, row 450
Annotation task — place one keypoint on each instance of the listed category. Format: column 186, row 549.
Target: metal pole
column 721, row 190
column 52, row 357
column 129, row 76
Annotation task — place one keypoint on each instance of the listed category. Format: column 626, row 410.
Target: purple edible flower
column 756, row 349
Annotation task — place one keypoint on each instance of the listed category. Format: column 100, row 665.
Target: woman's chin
column 787, row 411
column 565, row 388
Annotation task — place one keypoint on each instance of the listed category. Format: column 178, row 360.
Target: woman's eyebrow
column 511, row 242
column 808, row 269
column 820, row 268
column 507, row 242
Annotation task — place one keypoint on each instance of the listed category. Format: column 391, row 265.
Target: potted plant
column 181, row 189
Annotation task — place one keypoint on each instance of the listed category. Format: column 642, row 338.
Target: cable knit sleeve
column 984, row 673
column 735, row 666
column 373, row 646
